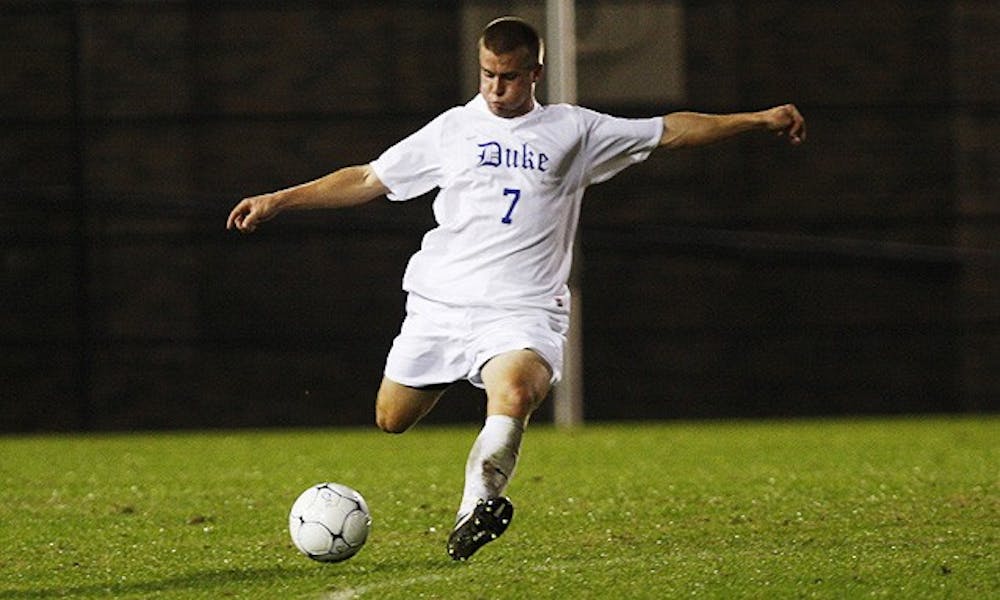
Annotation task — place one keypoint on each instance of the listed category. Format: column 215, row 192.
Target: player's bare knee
column 390, row 422
column 518, row 398
column 385, row 419
column 398, row 407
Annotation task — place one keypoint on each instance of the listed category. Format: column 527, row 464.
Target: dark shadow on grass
column 203, row 580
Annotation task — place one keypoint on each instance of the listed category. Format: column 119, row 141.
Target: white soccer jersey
column 509, row 199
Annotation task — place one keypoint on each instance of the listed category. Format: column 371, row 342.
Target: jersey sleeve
column 412, row 166
column 614, row 143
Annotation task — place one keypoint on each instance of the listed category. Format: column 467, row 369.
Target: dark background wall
column 857, row 274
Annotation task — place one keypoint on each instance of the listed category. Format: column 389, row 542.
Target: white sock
column 491, row 461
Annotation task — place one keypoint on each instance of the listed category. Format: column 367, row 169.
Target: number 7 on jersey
column 515, row 195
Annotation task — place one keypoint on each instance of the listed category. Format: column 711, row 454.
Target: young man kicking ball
column 487, row 296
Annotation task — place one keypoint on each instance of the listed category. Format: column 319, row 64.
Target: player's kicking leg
column 516, row 383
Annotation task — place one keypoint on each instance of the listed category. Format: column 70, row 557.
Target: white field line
column 361, row 590
column 356, row 592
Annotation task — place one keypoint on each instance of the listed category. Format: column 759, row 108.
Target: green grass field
column 897, row 508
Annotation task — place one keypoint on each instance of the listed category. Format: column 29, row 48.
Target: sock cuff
column 503, row 422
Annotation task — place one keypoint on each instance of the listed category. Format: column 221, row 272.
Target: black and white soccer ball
column 329, row 522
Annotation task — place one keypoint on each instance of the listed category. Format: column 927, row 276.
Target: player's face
column 507, row 81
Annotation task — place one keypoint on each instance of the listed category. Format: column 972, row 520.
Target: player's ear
column 536, row 73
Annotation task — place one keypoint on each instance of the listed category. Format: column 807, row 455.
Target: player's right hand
column 250, row 212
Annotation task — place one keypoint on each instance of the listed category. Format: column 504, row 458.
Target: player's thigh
column 398, row 407
column 516, row 383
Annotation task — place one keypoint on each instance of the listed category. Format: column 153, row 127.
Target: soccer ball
column 329, row 522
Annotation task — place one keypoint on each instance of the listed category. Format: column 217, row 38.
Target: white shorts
column 439, row 343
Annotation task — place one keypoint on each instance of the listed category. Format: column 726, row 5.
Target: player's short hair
column 507, row 34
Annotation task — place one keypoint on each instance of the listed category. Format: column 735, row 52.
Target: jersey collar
column 479, row 103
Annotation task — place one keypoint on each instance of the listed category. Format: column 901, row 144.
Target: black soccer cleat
column 487, row 522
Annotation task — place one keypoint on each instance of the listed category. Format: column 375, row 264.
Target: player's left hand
column 250, row 212
column 785, row 120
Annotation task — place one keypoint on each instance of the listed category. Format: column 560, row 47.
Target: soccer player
column 487, row 295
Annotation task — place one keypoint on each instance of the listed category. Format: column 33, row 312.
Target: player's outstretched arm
column 345, row 187
column 688, row 129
